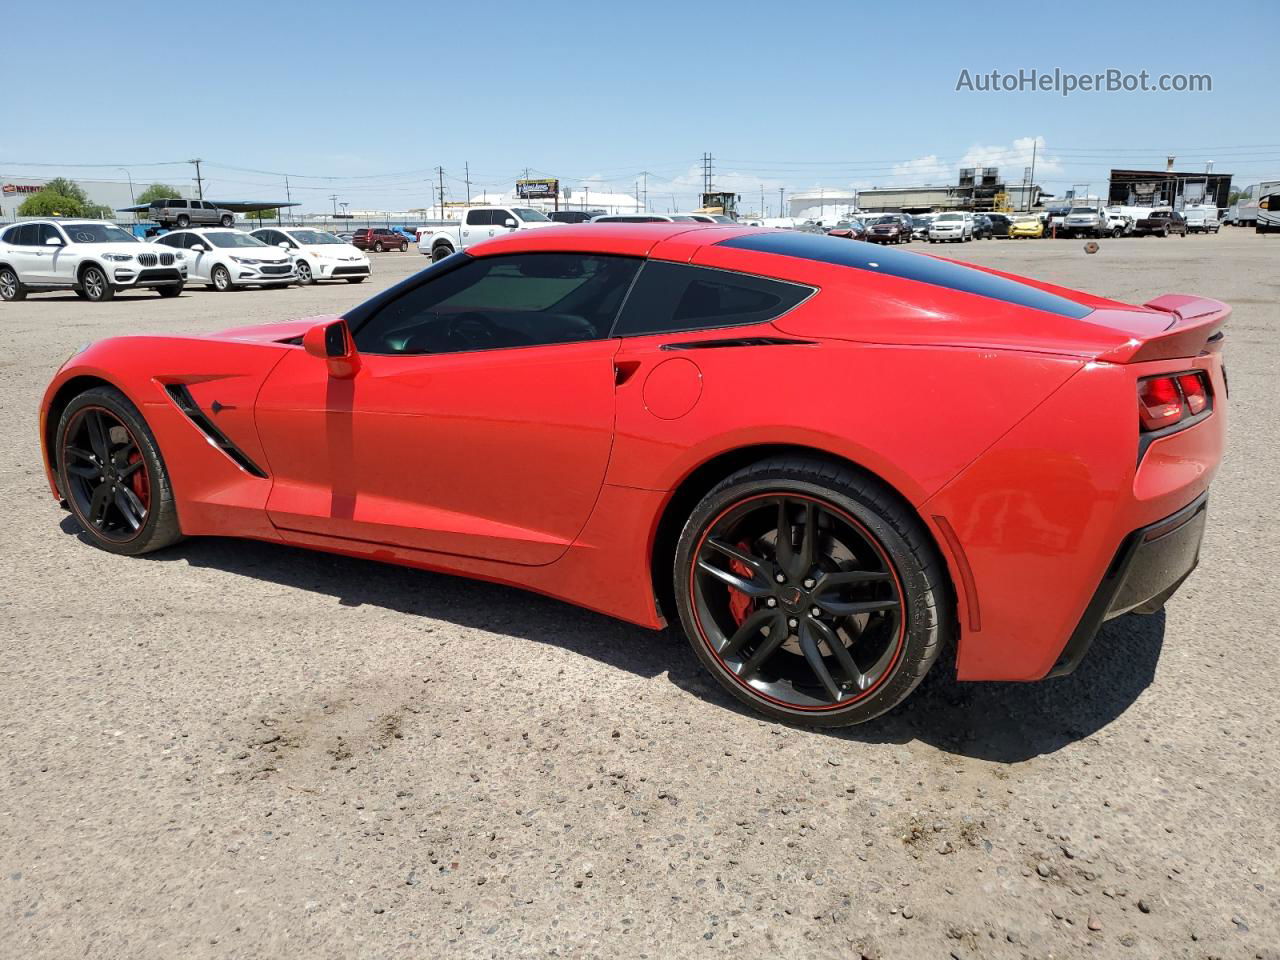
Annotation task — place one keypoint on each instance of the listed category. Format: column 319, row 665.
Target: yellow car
column 1026, row 228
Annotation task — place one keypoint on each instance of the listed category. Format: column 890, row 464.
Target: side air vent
column 737, row 342
column 181, row 396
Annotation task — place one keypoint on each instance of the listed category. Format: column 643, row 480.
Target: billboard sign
column 537, row 189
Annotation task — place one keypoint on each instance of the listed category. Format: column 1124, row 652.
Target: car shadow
column 999, row 722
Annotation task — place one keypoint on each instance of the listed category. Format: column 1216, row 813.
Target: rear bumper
column 1150, row 566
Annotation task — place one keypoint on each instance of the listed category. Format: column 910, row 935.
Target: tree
column 261, row 215
column 157, row 191
column 68, row 188
column 49, row 203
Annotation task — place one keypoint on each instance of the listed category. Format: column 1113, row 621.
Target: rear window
column 908, row 266
column 669, row 297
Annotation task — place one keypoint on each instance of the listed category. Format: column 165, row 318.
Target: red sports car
column 827, row 461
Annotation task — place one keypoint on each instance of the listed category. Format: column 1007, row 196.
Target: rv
column 1245, row 210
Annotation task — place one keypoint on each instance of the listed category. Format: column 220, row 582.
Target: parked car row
column 96, row 258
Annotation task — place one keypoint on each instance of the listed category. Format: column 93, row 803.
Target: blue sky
column 365, row 99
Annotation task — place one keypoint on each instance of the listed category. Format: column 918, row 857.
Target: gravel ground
column 242, row 750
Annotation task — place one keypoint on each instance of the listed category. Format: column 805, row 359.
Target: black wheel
column 221, row 278
column 404, row 247
column 1117, row 232
column 183, row 221
column 11, row 287
column 112, row 475
column 811, row 592
column 355, row 279
column 304, row 273
column 377, row 247
column 227, row 220
column 172, row 290
column 440, row 252
column 97, row 288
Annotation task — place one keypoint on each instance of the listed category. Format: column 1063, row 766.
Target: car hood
column 332, row 251
column 131, row 249
column 276, row 332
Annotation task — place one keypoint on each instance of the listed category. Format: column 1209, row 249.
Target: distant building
column 822, row 204
column 110, row 193
column 1168, row 188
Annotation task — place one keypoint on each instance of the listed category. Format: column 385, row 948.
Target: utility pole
column 762, row 201
column 287, row 195
column 440, row 171
column 1032, row 185
column 645, row 175
column 780, row 208
column 466, row 166
column 199, row 180
column 334, row 198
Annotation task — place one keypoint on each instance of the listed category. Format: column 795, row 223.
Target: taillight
column 1166, row 400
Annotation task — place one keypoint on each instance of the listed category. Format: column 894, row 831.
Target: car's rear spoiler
column 1195, row 321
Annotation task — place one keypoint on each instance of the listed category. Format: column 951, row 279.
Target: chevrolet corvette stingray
column 827, row 461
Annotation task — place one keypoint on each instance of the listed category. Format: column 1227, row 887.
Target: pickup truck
column 1085, row 222
column 1161, row 223
column 477, row 224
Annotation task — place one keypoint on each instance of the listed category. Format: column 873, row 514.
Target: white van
column 1202, row 218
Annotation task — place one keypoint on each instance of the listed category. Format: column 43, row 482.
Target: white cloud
column 1011, row 159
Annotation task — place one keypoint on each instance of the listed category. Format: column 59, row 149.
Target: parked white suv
column 317, row 255
column 480, row 223
column 230, row 258
column 95, row 258
column 951, row 226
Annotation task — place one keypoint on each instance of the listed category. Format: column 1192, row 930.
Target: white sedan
column 317, row 255
column 225, row 259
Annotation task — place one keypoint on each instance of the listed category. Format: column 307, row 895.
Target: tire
column 1117, row 233
column 440, row 252
column 377, row 247
column 355, row 279
column 183, row 221
column 81, row 477
column 173, row 290
column 404, row 247
column 227, row 220
column 97, row 288
column 220, row 279
column 901, row 569
column 305, row 275
column 11, row 288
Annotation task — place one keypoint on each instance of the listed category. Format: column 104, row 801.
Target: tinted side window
column 46, row 232
column 671, row 296
column 10, row 236
column 909, row 266
column 478, row 218
column 27, row 236
column 171, row 239
column 490, row 303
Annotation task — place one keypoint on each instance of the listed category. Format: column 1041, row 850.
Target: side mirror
column 197, row 248
column 332, row 343
column 53, row 242
column 509, row 224
column 283, row 244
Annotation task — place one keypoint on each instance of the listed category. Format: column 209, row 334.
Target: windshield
column 1083, row 210
column 949, row 217
column 232, row 239
column 678, row 218
column 313, row 238
column 530, row 216
column 887, row 220
column 97, row 233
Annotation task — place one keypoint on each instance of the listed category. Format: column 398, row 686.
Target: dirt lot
column 240, row 750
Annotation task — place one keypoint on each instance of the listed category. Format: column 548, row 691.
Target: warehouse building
column 110, row 193
column 1168, row 188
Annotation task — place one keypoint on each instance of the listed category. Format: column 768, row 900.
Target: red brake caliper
column 139, row 481
column 739, row 603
